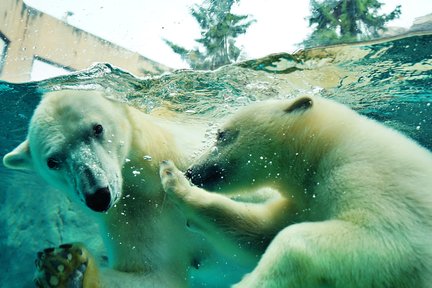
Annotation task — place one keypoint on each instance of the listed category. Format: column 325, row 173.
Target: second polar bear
column 356, row 205
column 105, row 155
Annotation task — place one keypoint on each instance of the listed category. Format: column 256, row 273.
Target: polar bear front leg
column 69, row 265
column 248, row 224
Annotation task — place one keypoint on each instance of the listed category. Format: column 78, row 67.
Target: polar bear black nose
column 188, row 174
column 100, row 200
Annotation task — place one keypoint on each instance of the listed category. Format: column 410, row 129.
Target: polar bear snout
column 188, row 174
column 205, row 176
column 100, row 200
column 194, row 176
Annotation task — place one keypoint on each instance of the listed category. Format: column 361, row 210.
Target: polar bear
column 105, row 155
column 356, row 205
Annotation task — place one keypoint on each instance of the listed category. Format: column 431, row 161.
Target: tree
column 219, row 29
column 339, row 21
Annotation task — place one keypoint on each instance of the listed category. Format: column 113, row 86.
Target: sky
column 140, row 25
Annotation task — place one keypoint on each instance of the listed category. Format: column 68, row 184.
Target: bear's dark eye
column 97, row 130
column 53, row 163
column 226, row 136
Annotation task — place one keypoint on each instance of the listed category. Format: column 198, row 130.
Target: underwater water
column 389, row 80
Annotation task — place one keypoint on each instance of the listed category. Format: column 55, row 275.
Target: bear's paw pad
column 64, row 266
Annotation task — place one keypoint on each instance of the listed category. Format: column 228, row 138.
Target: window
column 4, row 42
column 43, row 69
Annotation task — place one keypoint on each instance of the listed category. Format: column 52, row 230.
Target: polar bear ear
column 300, row 105
column 19, row 158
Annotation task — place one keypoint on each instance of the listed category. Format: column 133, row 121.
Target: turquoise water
column 389, row 81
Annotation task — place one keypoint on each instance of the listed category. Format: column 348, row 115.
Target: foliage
column 341, row 21
column 219, row 29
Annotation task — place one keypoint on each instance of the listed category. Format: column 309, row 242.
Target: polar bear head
column 77, row 141
column 256, row 146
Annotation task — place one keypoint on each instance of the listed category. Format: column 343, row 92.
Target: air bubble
column 54, row 281
column 147, row 158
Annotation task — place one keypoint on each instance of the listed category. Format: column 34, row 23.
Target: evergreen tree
column 341, row 21
column 219, row 29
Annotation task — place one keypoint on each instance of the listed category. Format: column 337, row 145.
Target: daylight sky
column 140, row 25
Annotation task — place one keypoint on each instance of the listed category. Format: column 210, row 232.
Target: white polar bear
column 357, row 196
column 106, row 154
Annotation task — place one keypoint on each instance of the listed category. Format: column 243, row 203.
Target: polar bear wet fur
column 356, row 206
column 93, row 148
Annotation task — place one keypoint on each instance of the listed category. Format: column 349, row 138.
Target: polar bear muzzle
column 206, row 176
column 100, row 200
column 95, row 177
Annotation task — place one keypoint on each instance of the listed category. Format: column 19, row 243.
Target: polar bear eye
column 53, row 163
column 97, row 129
column 226, row 136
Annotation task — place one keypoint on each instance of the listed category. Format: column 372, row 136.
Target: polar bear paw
column 68, row 265
column 173, row 180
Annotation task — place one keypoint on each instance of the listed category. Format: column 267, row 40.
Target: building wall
column 31, row 34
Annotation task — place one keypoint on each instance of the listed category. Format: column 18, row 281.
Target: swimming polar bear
column 356, row 206
column 105, row 155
